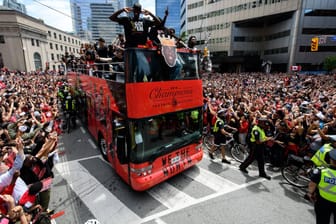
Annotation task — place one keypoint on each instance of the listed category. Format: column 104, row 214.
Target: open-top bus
column 146, row 116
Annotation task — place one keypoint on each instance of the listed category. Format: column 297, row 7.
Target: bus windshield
column 148, row 65
column 155, row 136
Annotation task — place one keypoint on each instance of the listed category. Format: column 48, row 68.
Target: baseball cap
column 101, row 39
column 137, row 6
column 332, row 154
column 221, row 111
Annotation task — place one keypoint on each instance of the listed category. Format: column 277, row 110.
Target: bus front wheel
column 103, row 147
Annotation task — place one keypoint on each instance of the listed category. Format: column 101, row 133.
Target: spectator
column 136, row 27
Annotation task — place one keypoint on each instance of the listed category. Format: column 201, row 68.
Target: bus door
column 120, row 150
column 91, row 114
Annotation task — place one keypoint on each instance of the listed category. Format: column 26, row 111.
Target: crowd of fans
column 29, row 129
column 300, row 109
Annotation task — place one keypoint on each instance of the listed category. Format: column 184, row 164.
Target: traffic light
column 314, row 44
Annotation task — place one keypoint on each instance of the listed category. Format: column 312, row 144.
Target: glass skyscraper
column 91, row 18
column 13, row 4
column 174, row 8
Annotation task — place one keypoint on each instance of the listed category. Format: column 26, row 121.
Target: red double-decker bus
column 145, row 115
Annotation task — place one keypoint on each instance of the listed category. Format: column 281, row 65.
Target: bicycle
column 239, row 152
column 298, row 170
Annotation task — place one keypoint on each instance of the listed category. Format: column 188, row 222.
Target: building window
column 58, row 57
column 69, row 49
column 51, row 45
column 37, row 43
column 32, row 42
column 52, row 56
column 56, row 46
column 61, row 47
column 76, row 41
column 73, row 41
column 65, row 49
column 37, row 61
column 59, row 36
column 64, row 38
column 69, row 39
column 2, row 39
column 49, row 33
column 55, row 35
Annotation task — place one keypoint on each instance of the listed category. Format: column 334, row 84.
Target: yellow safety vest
column 216, row 128
column 319, row 157
column 262, row 137
column 194, row 114
column 327, row 184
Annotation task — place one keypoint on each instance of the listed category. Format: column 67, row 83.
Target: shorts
column 219, row 141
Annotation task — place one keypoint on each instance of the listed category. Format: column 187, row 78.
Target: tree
column 329, row 63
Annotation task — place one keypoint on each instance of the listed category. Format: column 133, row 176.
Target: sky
column 61, row 19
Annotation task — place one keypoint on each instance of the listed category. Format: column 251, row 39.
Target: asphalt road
column 86, row 187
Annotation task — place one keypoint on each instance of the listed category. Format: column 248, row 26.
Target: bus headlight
column 142, row 171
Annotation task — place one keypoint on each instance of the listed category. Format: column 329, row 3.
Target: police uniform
column 256, row 151
column 220, row 139
column 321, row 157
column 325, row 179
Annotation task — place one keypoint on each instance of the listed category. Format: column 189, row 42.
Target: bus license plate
column 175, row 159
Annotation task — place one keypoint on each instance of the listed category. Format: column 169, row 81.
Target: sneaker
column 226, row 161
column 276, row 169
column 243, row 170
column 265, row 176
column 211, row 155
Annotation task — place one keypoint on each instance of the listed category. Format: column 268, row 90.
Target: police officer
column 220, row 135
column 321, row 157
column 322, row 191
column 257, row 148
column 71, row 108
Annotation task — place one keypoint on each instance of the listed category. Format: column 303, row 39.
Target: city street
column 86, row 187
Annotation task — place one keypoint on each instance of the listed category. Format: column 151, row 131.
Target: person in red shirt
column 243, row 129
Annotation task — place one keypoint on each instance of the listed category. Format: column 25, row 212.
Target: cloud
column 56, row 18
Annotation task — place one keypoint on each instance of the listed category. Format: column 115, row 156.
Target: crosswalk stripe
column 211, row 180
column 169, row 196
column 95, row 196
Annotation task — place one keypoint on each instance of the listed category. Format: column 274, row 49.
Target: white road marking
column 200, row 200
column 169, row 196
column 95, row 196
column 159, row 221
column 210, row 179
column 82, row 130
column 92, row 143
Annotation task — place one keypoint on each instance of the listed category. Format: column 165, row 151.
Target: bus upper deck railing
column 109, row 71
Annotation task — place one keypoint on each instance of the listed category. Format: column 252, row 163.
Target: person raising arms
column 136, row 27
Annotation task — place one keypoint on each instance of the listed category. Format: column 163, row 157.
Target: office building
column 246, row 33
column 101, row 25
column 85, row 24
column 13, row 4
column 28, row 44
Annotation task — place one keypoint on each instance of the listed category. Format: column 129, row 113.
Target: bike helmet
column 221, row 113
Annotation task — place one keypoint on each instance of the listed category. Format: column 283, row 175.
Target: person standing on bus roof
column 136, row 27
column 102, row 52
